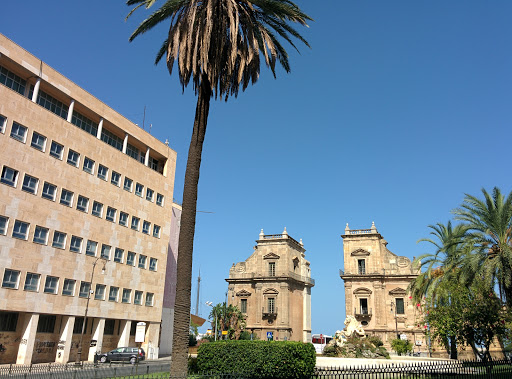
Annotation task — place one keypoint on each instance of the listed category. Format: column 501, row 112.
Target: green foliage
column 357, row 347
column 192, row 365
column 192, row 341
column 376, row 341
column 330, row 351
column 401, row 347
column 258, row 359
column 246, row 336
column 228, row 318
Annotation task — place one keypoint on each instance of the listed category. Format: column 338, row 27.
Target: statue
column 351, row 326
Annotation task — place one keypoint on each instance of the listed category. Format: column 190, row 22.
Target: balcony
column 269, row 312
column 363, row 314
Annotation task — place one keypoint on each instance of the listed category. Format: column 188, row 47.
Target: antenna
column 144, row 118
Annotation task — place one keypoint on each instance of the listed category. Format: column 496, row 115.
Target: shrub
column 401, row 346
column 192, row 341
column 330, row 351
column 192, row 365
column 258, row 359
column 375, row 341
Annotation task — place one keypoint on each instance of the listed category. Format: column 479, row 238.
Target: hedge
column 258, row 359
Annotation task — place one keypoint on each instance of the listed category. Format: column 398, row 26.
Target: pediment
column 362, row 291
column 398, row 292
column 243, row 293
column 271, row 256
column 270, row 291
column 360, row 253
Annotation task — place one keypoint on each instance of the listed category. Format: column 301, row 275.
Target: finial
column 300, row 241
column 374, row 229
column 284, row 231
column 347, row 229
column 262, row 234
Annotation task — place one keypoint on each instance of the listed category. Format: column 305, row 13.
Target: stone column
column 36, row 90
column 97, row 335
column 284, row 305
column 150, row 344
column 100, row 128
column 146, row 158
column 65, row 339
column 70, row 110
column 124, row 338
column 28, row 338
column 125, row 143
column 259, row 303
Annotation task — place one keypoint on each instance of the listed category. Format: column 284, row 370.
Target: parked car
column 127, row 354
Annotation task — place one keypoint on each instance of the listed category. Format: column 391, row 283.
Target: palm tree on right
column 489, row 231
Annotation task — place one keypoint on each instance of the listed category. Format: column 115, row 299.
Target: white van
column 320, row 341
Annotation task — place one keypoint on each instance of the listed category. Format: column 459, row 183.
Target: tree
column 217, row 44
column 489, row 222
column 401, row 347
column 229, row 319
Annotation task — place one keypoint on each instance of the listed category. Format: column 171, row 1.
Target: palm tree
column 489, row 222
column 217, row 44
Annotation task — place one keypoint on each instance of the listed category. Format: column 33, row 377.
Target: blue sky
column 397, row 110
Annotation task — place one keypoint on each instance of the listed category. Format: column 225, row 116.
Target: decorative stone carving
column 271, row 256
column 360, row 253
column 352, row 326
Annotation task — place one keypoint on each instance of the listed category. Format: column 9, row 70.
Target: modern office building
column 376, row 282
column 273, row 289
column 85, row 205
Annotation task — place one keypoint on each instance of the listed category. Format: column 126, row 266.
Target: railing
column 290, row 274
column 269, row 312
column 365, row 312
column 280, row 236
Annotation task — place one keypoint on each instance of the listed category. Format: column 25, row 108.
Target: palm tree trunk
column 179, row 356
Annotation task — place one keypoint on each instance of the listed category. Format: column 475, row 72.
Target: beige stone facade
column 273, row 288
column 82, row 188
column 376, row 282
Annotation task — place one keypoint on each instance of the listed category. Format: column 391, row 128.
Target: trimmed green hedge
column 258, row 359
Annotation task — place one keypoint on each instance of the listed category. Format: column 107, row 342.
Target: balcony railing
column 363, row 313
column 269, row 312
column 290, row 274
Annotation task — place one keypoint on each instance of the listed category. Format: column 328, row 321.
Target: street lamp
column 79, row 353
column 210, row 304
column 393, row 305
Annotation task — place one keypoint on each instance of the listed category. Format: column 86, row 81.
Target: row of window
column 41, row 234
column 49, row 192
column 18, row 84
column 39, row 142
column 32, row 283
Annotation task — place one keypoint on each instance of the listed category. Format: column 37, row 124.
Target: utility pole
column 198, row 287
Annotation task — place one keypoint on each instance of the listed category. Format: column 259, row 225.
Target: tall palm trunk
column 179, row 357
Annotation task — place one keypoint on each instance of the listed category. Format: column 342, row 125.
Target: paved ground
column 358, row 362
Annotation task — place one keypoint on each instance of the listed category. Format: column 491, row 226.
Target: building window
column 51, row 284
column 149, row 194
column 152, row 264
column 271, row 268
column 73, row 158
column 139, row 188
column 66, row 197
column 20, row 230
column 41, row 235
column 13, row 81
column 400, row 309
column 112, row 139
column 38, row 141
column 109, row 327
column 84, row 123
column 59, row 240
column 8, row 321
column 91, row 248
column 85, row 288
column 3, row 122
column 156, row 231
column 82, row 204
column 243, row 305
column 4, row 222
column 111, row 214
column 99, row 294
column 46, row 324
column 18, row 132
column 30, row 184
column 363, row 306
column 11, row 278
column 78, row 327
column 118, row 255
column 135, row 223
column 146, row 225
column 49, row 191
column 105, row 252
column 361, row 267
column 133, row 152
column 128, row 184
column 76, row 244
column 56, row 150
column 69, row 287
column 130, row 258
column 160, row 199
column 88, row 165
column 137, row 299
column 154, row 164
column 149, row 299
column 9, row 176
column 102, row 172
column 112, row 294
column 271, row 303
column 52, row 104
column 32, row 282
column 123, row 219
column 127, row 293
column 97, row 209
column 142, row 261
column 116, row 178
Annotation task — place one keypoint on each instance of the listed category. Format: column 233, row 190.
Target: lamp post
column 393, row 306
column 79, row 352
column 210, row 304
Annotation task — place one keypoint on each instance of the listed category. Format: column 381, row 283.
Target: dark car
column 127, row 354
